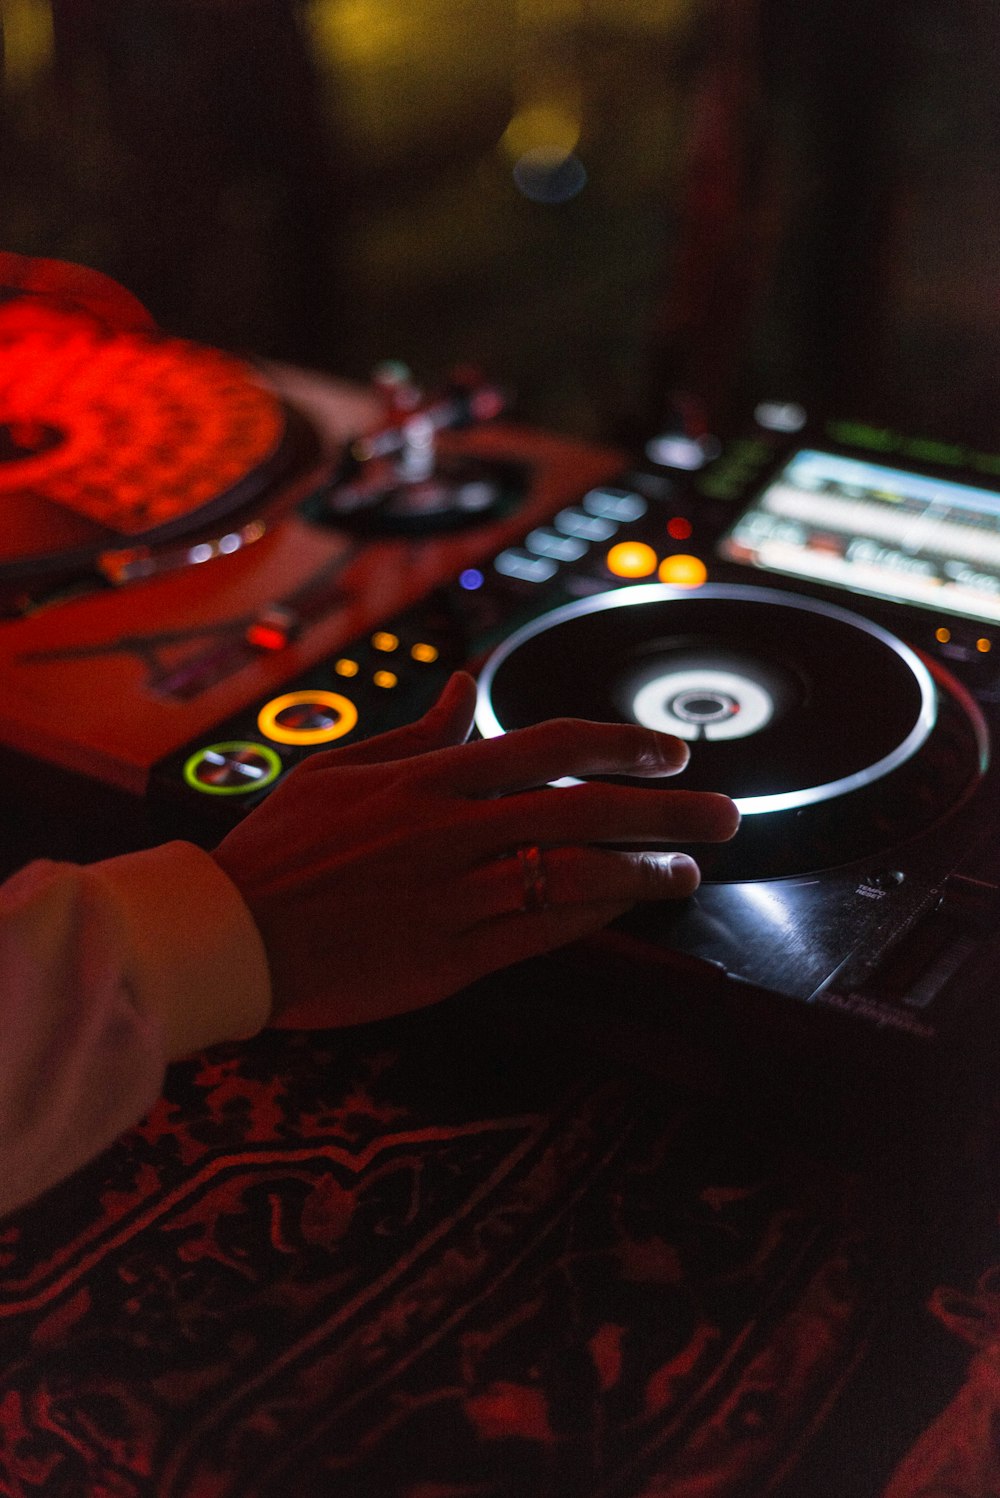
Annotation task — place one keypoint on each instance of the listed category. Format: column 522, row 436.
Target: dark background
column 792, row 198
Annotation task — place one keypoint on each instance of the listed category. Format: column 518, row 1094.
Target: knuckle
column 552, row 734
column 662, row 751
column 418, row 737
column 651, row 872
column 661, row 874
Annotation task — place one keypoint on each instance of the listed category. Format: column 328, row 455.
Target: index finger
column 529, row 757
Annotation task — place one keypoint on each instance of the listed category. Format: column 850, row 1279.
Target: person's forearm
column 194, row 956
column 106, row 974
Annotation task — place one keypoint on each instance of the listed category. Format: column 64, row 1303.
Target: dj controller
column 815, row 608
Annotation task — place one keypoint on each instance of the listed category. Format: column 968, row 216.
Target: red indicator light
column 679, row 528
column 273, row 630
column 266, row 637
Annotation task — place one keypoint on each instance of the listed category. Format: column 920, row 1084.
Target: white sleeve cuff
column 195, row 957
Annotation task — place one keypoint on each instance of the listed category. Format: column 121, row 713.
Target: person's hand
column 386, row 875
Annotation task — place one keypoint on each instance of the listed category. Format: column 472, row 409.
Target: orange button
column 683, row 571
column 334, row 715
column 631, row 559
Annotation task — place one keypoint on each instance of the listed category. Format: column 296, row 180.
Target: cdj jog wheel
column 832, row 735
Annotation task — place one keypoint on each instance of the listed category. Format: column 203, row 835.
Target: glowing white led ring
column 659, row 704
column 490, row 726
column 345, row 717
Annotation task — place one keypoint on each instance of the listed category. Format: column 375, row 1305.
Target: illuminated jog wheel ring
column 322, row 717
column 849, row 746
column 238, row 767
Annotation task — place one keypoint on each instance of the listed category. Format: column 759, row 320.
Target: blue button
column 686, row 453
column 574, row 522
column 548, row 543
column 525, row 567
column 615, row 504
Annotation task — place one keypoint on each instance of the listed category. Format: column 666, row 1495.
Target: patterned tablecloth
column 451, row 1258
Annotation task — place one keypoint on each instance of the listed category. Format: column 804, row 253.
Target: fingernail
column 684, row 870
column 672, row 753
column 736, row 815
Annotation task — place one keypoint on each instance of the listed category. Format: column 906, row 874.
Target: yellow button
column 631, row 559
column 683, row 571
column 383, row 640
column 343, row 717
column 346, row 667
column 424, row 653
column 385, row 678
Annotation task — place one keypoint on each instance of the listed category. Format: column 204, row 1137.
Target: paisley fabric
column 431, row 1260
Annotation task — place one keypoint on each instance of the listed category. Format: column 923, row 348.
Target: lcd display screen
column 878, row 530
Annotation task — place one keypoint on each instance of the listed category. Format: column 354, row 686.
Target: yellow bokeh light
column 27, row 40
column 552, row 128
column 361, row 33
column 631, row 559
column 683, row 571
column 984, row 646
column 346, row 667
column 383, row 640
column 424, row 653
column 385, row 679
column 942, row 635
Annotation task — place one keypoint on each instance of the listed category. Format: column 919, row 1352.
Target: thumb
column 447, row 723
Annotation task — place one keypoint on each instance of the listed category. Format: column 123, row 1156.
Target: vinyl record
column 116, row 439
column 833, row 736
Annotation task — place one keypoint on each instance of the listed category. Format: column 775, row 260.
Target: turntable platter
column 833, row 736
column 116, row 438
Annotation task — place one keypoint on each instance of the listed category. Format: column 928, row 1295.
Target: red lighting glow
column 267, row 637
column 679, row 528
column 142, row 429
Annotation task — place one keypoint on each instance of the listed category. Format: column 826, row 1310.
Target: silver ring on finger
column 534, row 885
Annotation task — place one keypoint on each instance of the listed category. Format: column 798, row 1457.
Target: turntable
column 178, row 540
column 817, row 612
column 831, row 734
column 815, row 608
